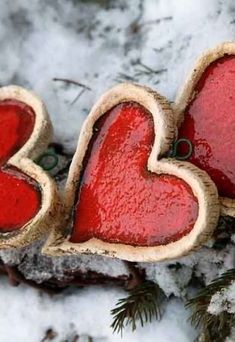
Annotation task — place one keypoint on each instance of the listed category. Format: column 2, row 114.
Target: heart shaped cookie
column 205, row 113
column 28, row 197
column 123, row 198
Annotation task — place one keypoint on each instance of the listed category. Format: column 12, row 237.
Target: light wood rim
column 202, row 186
column 23, row 160
column 186, row 95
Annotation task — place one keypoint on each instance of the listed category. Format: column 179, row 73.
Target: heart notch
column 29, row 199
column 124, row 198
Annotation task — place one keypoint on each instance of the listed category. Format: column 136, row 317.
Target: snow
column 81, row 312
column 40, row 268
column 94, row 44
column 172, row 278
column 223, row 300
column 99, row 43
column 206, row 263
column 231, row 338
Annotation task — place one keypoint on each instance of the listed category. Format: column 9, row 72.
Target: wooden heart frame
column 48, row 213
column 200, row 183
column 186, row 95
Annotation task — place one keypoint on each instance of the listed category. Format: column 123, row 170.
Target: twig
column 125, row 77
column 66, row 80
column 76, row 83
column 136, row 278
column 79, row 95
column 50, row 334
column 146, row 70
column 157, row 21
column 16, row 278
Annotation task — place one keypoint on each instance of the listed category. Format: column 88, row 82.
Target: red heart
column 119, row 200
column 210, row 122
column 20, row 196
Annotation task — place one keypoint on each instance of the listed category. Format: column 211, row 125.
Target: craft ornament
column 29, row 200
column 123, row 197
column 205, row 115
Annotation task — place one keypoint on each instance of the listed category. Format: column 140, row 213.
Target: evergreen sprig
column 215, row 328
column 143, row 304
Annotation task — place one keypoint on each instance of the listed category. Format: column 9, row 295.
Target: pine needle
column 215, row 328
column 143, row 304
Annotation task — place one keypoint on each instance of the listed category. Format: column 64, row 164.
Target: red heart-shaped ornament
column 119, row 200
column 128, row 200
column 20, row 197
column 206, row 116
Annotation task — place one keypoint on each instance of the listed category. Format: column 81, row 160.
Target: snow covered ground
column 99, row 43
column 25, row 315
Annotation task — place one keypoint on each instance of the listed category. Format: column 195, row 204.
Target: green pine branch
column 215, row 328
column 143, row 304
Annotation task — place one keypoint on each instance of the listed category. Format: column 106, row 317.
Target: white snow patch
column 26, row 312
column 223, row 300
column 172, row 280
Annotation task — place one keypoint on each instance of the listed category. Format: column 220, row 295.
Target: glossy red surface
column 118, row 199
column 210, row 124
column 20, row 196
column 19, row 199
column 16, row 125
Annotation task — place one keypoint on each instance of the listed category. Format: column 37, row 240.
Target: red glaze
column 16, row 125
column 20, row 196
column 118, row 199
column 210, row 124
column 19, row 199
